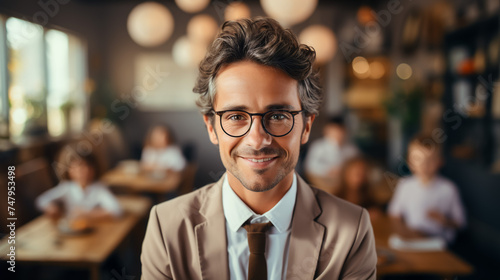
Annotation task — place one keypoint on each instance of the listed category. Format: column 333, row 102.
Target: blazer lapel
column 211, row 236
column 306, row 236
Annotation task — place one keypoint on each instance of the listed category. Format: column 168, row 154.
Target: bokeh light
column 192, row 6
column 237, row 10
column 322, row 39
column 404, row 71
column 150, row 24
column 289, row 12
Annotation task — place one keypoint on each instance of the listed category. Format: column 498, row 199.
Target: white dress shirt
column 74, row 197
column 167, row 158
column 323, row 155
column 237, row 213
column 413, row 200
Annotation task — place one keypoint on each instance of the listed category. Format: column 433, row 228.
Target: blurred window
column 66, row 97
column 26, row 85
column 4, row 104
column 42, row 77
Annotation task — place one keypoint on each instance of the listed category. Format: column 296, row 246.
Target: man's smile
column 259, row 162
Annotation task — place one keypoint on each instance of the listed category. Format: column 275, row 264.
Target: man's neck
column 261, row 202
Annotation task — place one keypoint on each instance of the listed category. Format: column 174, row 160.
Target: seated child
column 327, row 155
column 79, row 194
column 427, row 202
column 160, row 151
column 355, row 186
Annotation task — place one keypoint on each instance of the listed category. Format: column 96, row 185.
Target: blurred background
column 102, row 73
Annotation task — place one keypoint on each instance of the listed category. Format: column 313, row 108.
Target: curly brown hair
column 264, row 41
column 72, row 152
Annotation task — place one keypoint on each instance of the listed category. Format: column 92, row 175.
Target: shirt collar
column 237, row 212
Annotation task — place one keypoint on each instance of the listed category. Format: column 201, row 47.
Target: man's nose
column 257, row 137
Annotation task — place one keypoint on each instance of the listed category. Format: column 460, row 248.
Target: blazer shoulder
column 185, row 207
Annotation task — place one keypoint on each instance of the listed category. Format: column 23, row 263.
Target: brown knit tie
column 256, row 235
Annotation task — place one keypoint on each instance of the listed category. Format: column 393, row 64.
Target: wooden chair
column 32, row 179
column 187, row 182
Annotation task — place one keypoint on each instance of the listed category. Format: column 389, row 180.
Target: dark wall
column 480, row 190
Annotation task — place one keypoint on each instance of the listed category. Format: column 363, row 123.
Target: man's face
column 256, row 88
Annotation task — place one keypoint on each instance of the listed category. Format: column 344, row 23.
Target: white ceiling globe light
column 150, row 24
column 289, row 12
column 202, row 29
column 322, row 39
column 187, row 53
column 192, row 6
column 237, row 10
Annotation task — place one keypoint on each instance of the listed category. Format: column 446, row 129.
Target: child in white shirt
column 160, row 152
column 79, row 194
column 327, row 155
column 427, row 202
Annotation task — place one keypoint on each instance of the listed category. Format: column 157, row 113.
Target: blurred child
column 79, row 194
column 427, row 202
column 355, row 187
column 160, row 152
column 327, row 155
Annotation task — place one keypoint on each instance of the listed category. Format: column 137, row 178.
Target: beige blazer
column 330, row 238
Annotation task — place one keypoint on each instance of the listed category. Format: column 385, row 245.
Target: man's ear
column 211, row 130
column 307, row 129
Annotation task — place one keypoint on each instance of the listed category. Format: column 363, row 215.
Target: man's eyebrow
column 269, row 107
column 234, row 107
column 281, row 107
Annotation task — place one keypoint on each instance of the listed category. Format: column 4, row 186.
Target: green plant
column 406, row 105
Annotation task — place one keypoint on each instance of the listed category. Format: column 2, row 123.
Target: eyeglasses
column 237, row 123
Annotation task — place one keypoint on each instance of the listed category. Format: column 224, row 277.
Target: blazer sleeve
column 361, row 262
column 154, row 256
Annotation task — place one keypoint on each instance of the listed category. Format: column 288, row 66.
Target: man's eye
column 236, row 117
column 278, row 117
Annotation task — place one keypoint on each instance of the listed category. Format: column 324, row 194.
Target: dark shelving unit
column 462, row 130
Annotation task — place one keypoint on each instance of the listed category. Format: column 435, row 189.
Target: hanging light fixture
column 192, row 6
column 150, row 24
column 322, row 39
column 289, row 12
column 202, row 29
column 188, row 53
column 236, row 10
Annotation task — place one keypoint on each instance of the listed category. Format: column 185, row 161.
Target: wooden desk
column 140, row 183
column 39, row 242
column 443, row 263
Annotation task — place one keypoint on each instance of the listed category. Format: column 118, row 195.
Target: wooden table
column 443, row 263
column 142, row 182
column 39, row 242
